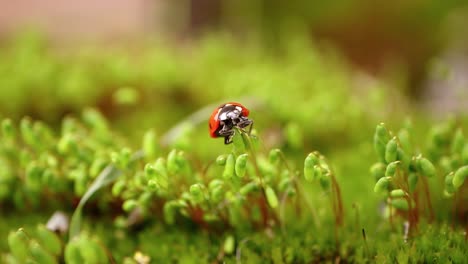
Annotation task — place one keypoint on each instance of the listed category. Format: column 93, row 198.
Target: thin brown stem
column 338, row 203
column 428, row 199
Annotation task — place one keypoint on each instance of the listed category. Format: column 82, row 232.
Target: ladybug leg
column 244, row 122
column 228, row 139
column 227, row 134
column 226, row 130
column 251, row 126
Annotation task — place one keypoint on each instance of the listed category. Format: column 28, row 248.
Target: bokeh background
column 415, row 47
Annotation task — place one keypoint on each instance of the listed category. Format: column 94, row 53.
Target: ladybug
column 226, row 117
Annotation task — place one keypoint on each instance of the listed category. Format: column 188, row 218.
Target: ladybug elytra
column 226, row 117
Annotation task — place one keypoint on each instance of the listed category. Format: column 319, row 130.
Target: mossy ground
column 302, row 98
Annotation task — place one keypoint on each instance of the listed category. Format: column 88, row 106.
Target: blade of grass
column 106, row 177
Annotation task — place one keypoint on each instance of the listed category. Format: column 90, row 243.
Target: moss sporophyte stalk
column 403, row 174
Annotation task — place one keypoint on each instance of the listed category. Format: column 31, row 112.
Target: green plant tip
column 381, row 138
column 67, row 144
column 391, row 150
column 95, row 119
column 392, row 168
column 7, row 129
column 217, row 194
column 458, row 142
column 221, row 160
column 40, row 255
column 229, row 168
column 248, row 188
column 378, row 170
column 150, row 171
column 150, row 145
column 465, row 154
column 426, row 167
column 272, row 199
column 397, row 193
column 325, row 180
column 309, row 167
column 18, row 243
column 229, row 245
column 49, row 240
column 382, row 184
column 129, row 205
column 449, row 188
column 241, row 165
column 126, row 96
column 404, row 139
column 196, row 189
column 460, row 176
column 400, row 204
column 215, row 183
column 274, row 155
column 118, row 187
column 160, row 167
column 173, row 166
column 72, row 252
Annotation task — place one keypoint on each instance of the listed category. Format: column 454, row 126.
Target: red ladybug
column 226, row 117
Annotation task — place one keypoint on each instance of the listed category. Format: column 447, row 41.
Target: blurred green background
column 191, row 53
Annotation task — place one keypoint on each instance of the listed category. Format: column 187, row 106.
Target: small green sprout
column 459, row 177
column 309, row 167
column 426, row 167
column 378, row 170
column 391, row 150
column 229, row 245
column 241, row 165
column 271, row 197
column 381, row 138
column 150, row 145
column 229, row 168
column 18, row 243
column 382, row 184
